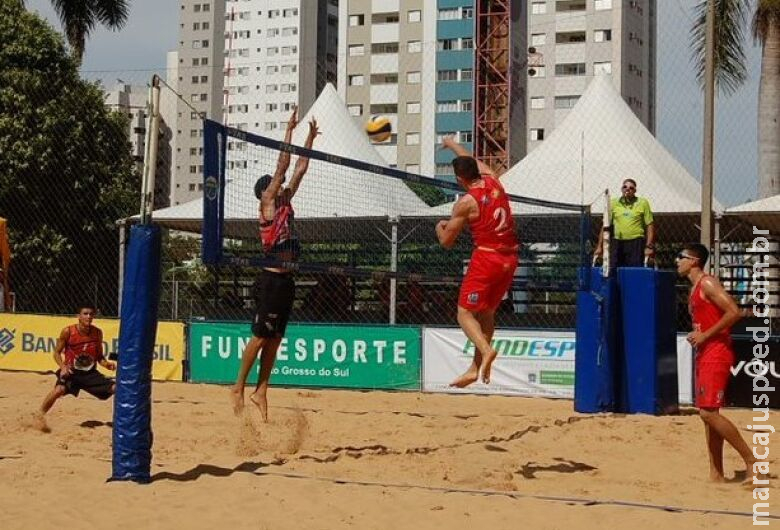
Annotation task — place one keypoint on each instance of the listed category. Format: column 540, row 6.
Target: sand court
column 352, row 459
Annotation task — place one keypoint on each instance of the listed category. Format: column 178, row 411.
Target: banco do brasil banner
column 313, row 355
column 27, row 342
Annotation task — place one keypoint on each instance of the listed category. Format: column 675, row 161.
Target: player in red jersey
column 713, row 312
column 485, row 209
column 82, row 346
column 274, row 289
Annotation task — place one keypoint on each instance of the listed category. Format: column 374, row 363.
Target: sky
column 140, row 48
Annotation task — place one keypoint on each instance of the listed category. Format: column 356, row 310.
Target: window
column 413, row 107
column 447, row 75
column 467, row 13
column 355, row 110
column 447, row 44
column 384, row 108
column 204, row 61
column 466, row 43
column 271, row 126
column 466, row 74
column 204, row 79
column 205, row 25
column 537, row 102
column 195, row 8
column 413, row 78
column 443, row 168
column 291, row 12
column 466, row 137
column 271, row 89
column 465, row 105
column 271, row 51
column 271, row 69
column 206, row 8
column 273, row 13
column 385, row 18
column 602, row 4
column 357, row 20
column 450, row 13
column 413, row 138
column 384, row 47
column 192, row 187
column 539, row 8
column 537, row 71
column 536, row 135
column 567, row 69
column 195, row 61
column 289, row 68
column 384, row 79
column 195, row 79
column 569, row 37
column 196, row 44
column 564, row 6
column 447, row 106
column 602, row 68
column 356, row 49
column 286, row 32
column 271, row 107
column 204, row 43
column 602, row 35
column 289, row 50
column 193, row 169
column 414, row 46
column 565, row 102
column 195, row 26
column 273, row 32
column 288, row 87
column 356, row 80
column 538, row 39
column 414, row 16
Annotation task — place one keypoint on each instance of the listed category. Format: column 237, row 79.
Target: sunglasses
column 682, row 255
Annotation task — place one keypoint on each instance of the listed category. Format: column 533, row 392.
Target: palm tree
column 730, row 71
column 79, row 18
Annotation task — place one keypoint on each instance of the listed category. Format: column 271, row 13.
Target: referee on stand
column 633, row 231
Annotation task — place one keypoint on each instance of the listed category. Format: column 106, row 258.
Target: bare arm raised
column 269, row 195
column 448, row 231
column 302, row 164
column 449, row 142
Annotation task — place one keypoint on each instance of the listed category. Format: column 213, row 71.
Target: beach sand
column 363, row 460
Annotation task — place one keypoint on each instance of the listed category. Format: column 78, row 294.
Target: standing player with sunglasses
column 713, row 312
column 633, row 231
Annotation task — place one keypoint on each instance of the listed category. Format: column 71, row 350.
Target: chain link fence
column 72, row 146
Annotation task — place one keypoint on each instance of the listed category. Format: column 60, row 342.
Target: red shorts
column 711, row 382
column 488, row 279
column 713, row 370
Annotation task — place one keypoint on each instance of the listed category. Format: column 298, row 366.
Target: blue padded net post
column 132, row 451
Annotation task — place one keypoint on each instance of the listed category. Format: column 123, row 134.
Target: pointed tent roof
column 616, row 146
column 327, row 190
column 763, row 213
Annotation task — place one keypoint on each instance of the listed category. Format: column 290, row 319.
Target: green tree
column 730, row 22
column 66, row 171
column 79, row 18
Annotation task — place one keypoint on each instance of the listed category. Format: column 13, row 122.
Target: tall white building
column 246, row 63
column 131, row 100
column 574, row 40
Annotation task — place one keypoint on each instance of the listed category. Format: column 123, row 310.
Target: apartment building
column 387, row 66
column 198, row 74
column 131, row 100
column 574, row 40
column 246, row 63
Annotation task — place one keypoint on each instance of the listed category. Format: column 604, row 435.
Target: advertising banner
column 529, row 363
column 374, row 357
column 27, row 342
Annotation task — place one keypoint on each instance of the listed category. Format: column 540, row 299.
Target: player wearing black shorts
column 78, row 352
column 274, row 289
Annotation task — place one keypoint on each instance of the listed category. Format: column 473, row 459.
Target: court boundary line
column 514, row 495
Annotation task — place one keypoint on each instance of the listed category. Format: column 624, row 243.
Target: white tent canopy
column 598, row 145
column 328, row 191
column 763, row 213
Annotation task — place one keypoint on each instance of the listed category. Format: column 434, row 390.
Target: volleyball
column 379, row 128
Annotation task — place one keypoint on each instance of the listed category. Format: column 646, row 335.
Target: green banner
column 556, row 377
column 313, row 355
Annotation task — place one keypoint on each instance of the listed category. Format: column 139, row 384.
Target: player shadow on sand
column 93, row 424
column 530, row 469
column 214, row 471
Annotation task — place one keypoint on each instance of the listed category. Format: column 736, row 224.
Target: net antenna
column 150, row 159
column 606, row 235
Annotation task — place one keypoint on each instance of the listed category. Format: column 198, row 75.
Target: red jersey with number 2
column 495, row 228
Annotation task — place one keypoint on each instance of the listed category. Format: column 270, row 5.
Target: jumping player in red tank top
column 485, row 209
column 713, row 312
column 274, row 289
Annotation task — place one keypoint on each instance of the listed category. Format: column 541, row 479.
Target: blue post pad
column 649, row 373
column 594, row 379
column 132, row 452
